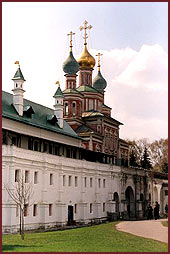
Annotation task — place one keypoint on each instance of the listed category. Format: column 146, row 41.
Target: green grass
column 165, row 223
column 99, row 238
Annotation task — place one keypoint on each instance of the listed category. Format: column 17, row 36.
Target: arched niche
column 130, row 201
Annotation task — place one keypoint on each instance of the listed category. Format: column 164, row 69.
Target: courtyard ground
column 99, row 238
column 153, row 229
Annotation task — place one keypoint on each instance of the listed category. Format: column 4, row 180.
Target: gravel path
column 147, row 228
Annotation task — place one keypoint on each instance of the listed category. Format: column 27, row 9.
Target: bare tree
column 21, row 193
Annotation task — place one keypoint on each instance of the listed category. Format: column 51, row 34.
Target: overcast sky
column 133, row 38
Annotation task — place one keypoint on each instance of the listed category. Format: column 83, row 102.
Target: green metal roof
column 18, row 75
column 71, row 90
column 58, row 93
column 39, row 118
column 87, row 89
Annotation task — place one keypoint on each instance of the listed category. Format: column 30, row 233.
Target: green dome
column 70, row 65
column 99, row 82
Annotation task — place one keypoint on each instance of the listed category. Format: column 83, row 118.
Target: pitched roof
column 84, row 129
column 18, row 75
column 39, row 118
column 87, row 89
column 71, row 90
column 58, row 93
column 93, row 113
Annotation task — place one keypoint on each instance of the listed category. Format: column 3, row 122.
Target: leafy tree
column 159, row 155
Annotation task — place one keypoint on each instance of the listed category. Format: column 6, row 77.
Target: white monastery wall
column 59, row 196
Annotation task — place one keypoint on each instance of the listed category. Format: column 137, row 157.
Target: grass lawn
column 165, row 223
column 99, row 238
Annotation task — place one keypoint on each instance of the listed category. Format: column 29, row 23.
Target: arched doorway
column 130, row 201
column 116, row 199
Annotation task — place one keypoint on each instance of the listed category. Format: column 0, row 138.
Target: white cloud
column 147, row 69
column 137, row 90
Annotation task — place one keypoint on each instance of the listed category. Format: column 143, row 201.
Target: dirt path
column 148, row 228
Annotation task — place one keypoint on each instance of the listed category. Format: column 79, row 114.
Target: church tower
column 18, row 90
column 86, row 61
column 72, row 98
column 70, row 67
column 100, row 84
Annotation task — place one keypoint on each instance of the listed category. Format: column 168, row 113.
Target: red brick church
column 85, row 109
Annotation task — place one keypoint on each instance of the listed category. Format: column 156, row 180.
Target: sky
column 133, row 38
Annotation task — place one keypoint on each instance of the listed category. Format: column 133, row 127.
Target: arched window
column 99, row 128
column 74, row 108
column 66, row 109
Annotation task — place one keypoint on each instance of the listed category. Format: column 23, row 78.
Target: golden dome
column 86, row 61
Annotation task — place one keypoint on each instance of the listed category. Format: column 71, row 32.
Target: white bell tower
column 18, row 90
column 58, row 106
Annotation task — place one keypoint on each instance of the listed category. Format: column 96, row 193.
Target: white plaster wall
column 60, row 196
column 39, row 133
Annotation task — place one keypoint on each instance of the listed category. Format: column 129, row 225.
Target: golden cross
column 57, row 83
column 17, row 62
column 85, row 33
column 71, row 37
column 99, row 55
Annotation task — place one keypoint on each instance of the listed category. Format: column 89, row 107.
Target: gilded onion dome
column 70, row 65
column 99, row 82
column 86, row 61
